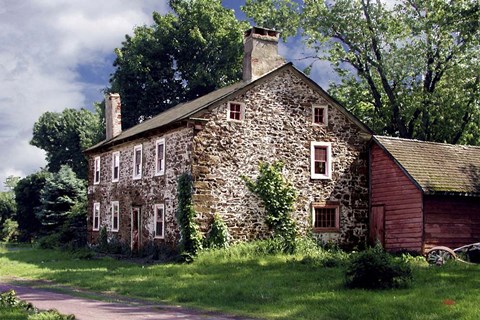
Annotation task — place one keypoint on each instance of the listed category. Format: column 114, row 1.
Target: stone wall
column 278, row 126
column 143, row 193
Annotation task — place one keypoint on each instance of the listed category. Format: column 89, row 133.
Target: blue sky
column 58, row 54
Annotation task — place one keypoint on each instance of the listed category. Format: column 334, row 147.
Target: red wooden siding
column 451, row 221
column 401, row 199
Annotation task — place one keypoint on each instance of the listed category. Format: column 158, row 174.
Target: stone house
column 275, row 113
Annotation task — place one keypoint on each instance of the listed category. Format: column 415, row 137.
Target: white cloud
column 44, row 42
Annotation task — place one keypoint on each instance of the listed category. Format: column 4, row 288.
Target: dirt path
column 87, row 309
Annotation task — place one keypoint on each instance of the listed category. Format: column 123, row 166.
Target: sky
column 57, row 54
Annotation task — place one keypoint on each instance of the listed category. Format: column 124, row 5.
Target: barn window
column 137, row 162
column 326, row 218
column 96, row 170
column 115, row 166
column 235, row 111
column 320, row 115
column 115, row 215
column 159, row 221
column 96, row 216
column 160, row 157
column 320, row 160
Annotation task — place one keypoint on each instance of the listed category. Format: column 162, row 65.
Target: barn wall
column 451, row 221
column 401, row 199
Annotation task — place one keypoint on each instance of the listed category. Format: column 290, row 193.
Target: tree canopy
column 187, row 53
column 410, row 69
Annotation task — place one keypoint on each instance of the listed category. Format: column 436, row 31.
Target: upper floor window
column 160, row 157
column 320, row 160
column 96, row 170
column 137, row 162
column 115, row 166
column 96, row 216
column 159, row 221
column 235, row 111
column 115, row 215
column 326, row 217
column 320, row 115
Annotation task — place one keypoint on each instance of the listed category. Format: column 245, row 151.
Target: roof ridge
column 465, row 146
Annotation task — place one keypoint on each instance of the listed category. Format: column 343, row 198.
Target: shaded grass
column 273, row 287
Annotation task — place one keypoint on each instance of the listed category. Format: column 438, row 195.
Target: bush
column 376, row 269
column 9, row 299
column 218, row 235
column 10, row 230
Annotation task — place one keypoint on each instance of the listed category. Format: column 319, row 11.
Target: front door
column 135, row 229
column 377, row 225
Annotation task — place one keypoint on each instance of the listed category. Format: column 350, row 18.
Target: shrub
column 376, row 269
column 218, row 234
column 103, row 240
column 10, row 230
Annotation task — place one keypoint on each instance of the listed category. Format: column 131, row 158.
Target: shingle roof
column 436, row 167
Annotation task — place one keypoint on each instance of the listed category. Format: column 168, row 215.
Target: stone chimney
column 113, row 115
column 260, row 53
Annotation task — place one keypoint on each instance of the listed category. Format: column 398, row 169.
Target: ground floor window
column 115, row 215
column 159, row 221
column 96, row 216
column 326, row 217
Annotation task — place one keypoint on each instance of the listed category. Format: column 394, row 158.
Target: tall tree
column 410, row 70
column 187, row 53
column 64, row 135
column 8, row 206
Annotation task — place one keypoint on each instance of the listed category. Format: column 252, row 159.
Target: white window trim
column 116, row 204
column 159, row 172
column 117, row 153
column 96, row 212
column 242, row 111
column 325, row 114
column 155, row 207
column 314, row 175
column 337, row 217
column 96, row 168
column 137, row 176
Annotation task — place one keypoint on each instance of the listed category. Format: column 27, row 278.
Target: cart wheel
column 439, row 255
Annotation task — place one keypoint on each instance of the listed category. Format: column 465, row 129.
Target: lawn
column 271, row 287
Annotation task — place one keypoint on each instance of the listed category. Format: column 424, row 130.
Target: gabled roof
column 185, row 110
column 436, row 168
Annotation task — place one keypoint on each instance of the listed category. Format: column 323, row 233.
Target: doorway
column 377, row 225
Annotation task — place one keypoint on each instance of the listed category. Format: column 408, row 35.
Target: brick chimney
column 113, row 115
column 260, row 52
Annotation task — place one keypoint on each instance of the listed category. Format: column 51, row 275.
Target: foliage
column 27, row 195
column 7, row 206
column 408, row 69
column 190, row 236
column 64, row 135
column 278, row 197
column 103, row 240
column 376, row 269
column 217, row 236
column 191, row 51
column 9, row 231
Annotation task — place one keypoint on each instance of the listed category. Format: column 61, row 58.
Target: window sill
column 160, row 238
column 321, row 177
column 137, row 178
column 159, row 174
column 326, row 230
column 114, row 230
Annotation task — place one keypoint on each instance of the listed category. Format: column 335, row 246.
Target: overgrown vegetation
column 278, row 197
column 217, row 236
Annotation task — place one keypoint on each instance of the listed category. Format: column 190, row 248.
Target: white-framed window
column 115, row 215
column 321, row 160
column 159, row 221
column 320, row 115
column 160, row 157
column 115, row 166
column 96, row 216
column 235, row 111
column 326, row 217
column 137, row 162
column 96, row 170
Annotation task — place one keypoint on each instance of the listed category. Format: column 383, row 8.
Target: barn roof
column 436, row 167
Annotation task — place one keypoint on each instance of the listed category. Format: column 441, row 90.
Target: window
column 320, row 115
column 235, row 111
column 115, row 215
column 96, row 171
column 160, row 157
column 115, row 166
column 159, row 220
column 137, row 162
column 320, row 160
column 96, row 216
column 326, row 217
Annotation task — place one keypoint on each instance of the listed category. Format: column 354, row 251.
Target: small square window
column 96, row 171
column 137, row 162
column 235, row 111
column 159, row 221
column 96, row 216
column 326, row 218
column 115, row 215
column 160, row 157
column 320, row 115
column 320, row 160
column 115, row 166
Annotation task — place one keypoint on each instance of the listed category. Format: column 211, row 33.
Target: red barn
column 423, row 194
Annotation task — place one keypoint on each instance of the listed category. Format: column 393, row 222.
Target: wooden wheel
column 440, row 255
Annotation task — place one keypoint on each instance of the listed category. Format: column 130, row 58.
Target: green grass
column 272, row 287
